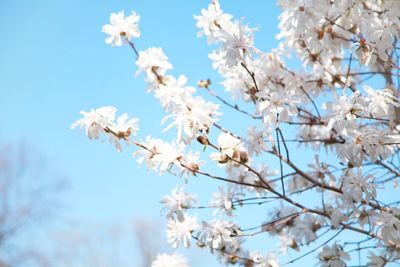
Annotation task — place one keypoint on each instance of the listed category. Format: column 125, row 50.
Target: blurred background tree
column 29, row 198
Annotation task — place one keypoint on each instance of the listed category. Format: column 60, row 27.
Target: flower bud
column 204, row 83
column 202, row 140
column 223, row 159
column 243, row 156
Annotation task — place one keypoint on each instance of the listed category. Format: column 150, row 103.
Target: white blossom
column 262, row 261
column 194, row 116
column 276, row 107
column 304, row 229
column 181, row 231
column 255, row 140
column 321, row 171
column 343, row 110
column 102, row 121
column 333, row 256
column 238, row 43
column 96, row 120
column 337, row 217
column 192, row 163
column 389, row 226
column 160, row 155
column 230, row 147
column 153, row 62
column 358, row 187
column 170, row 260
column 376, row 261
column 218, row 233
column 211, row 21
column 223, row 200
column 177, row 202
column 364, row 52
column 122, row 27
column 381, row 102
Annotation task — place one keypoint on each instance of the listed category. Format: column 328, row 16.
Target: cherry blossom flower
column 218, row 233
column 102, row 121
column 211, row 21
column 238, row 43
column 177, row 202
column 365, row 53
column 122, row 27
column 320, row 171
column 181, row 231
column 160, row 155
column 381, row 102
column 222, row 200
column 193, row 117
column 343, row 110
column 375, row 142
column 333, row 256
column 96, row 120
column 235, row 248
column 276, row 107
column 261, row 261
column 275, row 216
column 167, row 260
column 376, row 261
column 389, row 226
column 153, row 62
column 255, row 140
column 304, row 229
column 191, row 163
column 174, row 93
column 230, row 147
column 357, row 188
column 337, row 217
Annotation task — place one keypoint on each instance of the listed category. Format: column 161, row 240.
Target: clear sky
column 54, row 63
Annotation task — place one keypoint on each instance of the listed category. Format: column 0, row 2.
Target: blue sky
column 54, row 63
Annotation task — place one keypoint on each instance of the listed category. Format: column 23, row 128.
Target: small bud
column 314, row 57
column 294, row 245
column 235, row 154
column 350, row 165
column 363, row 215
column 233, row 259
column 315, row 227
column 358, row 140
column 204, row 83
column 249, row 263
column 202, row 140
column 320, row 34
column 303, row 44
column 320, row 83
column 354, row 29
column 194, row 166
column 244, row 157
column 224, row 159
column 200, row 244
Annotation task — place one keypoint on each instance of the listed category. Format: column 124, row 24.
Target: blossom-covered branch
column 346, row 124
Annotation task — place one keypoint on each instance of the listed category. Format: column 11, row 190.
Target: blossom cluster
column 102, row 121
column 349, row 126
